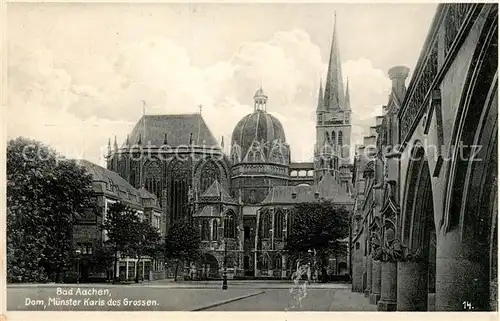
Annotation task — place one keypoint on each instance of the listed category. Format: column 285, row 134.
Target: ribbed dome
column 259, row 138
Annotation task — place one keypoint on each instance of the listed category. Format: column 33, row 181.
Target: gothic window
column 179, row 186
column 334, row 140
column 121, row 166
column 214, row 230
column 153, row 178
column 278, row 224
column 320, row 118
column 205, row 230
column 252, row 197
column 341, row 139
column 134, row 167
column 327, row 138
column 330, row 163
column 277, row 262
column 209, row 173
column 266, row 225
column 230, row 225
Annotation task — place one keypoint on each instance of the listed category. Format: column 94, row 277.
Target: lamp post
column 78, row 252
column 224, row 272
column 229, row 224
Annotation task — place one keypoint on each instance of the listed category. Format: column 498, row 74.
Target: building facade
column 176, row 158
column 424, row 232
column 88, row 237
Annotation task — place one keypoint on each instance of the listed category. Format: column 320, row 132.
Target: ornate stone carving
column 454, row 20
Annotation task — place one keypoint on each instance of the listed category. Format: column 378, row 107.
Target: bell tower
column 333, row 119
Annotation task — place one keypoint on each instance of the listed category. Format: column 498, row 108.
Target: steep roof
column 329, row 188
column 107, row 176
column 179, row 129
column 334, row 88
column 216, row 190
column 146, row 194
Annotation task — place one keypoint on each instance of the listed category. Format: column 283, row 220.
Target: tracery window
column 230, row 225
column 179, row 186
column 209, row 173
column 341, row 139
column 205, row 230
column 278, row 223
column 214, row 230
column 134, row 168
column 266, row 224
column 334, row 140
column 153, row 178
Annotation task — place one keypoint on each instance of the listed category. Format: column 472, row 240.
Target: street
column 186, row 296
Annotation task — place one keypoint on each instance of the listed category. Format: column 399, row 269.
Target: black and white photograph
column 250, row 156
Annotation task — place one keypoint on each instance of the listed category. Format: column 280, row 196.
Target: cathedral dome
column 259, row 137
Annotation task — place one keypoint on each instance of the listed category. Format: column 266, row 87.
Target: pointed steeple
column 127, row 143
column 347, row 103
column 115, row 145
column 321, row 102
column 222, row 142
column 334, row 88
column 109, row 146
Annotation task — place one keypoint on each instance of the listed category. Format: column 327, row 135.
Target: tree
column 146, row 243
column 317, row 227
column 71, row 195
column 182, row 243
column 121, row 224
column 45, row 193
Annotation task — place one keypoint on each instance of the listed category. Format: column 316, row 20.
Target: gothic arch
column 153, row 177
column 210, row 172
column 341, row 138
column 230, row 223
column 418, row 229
column 327, row 138
column 475, row 105
column 334, row 138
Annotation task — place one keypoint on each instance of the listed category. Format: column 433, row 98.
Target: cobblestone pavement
column 184, row 296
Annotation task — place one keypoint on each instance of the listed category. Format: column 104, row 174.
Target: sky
column 78, row 73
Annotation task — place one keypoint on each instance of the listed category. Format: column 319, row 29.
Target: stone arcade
column 424, row 231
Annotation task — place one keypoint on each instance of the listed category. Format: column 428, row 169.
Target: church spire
column 115, row 145
column 347, row 103
column 321, row 102
column 334, row 89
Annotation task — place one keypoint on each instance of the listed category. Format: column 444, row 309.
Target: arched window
column 341, row 139
column 327, row 138
column 214, row 230
column 178, row 194
column 153, row 178
column 209, row 173
column 230, row 225
column 266, row 225
column 277, row 262
column 333, row 138
column 278, row 223
column 205, row 230
column 134, row 169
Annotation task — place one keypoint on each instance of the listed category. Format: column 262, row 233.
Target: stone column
column 460, row 275
column 357, row 270
column 388, row 287
column 376, row 282
column 412, row 286
column 368, row 287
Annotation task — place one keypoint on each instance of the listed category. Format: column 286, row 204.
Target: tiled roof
column 328, row 188
column 100, row 173
column 208, row 211
column 178, row 130
column 146, row 194
column 216, row 190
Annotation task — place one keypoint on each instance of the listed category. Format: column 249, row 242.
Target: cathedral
column 242, row 202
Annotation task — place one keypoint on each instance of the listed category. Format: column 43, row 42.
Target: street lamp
column 229, row 220
column 78, row 252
